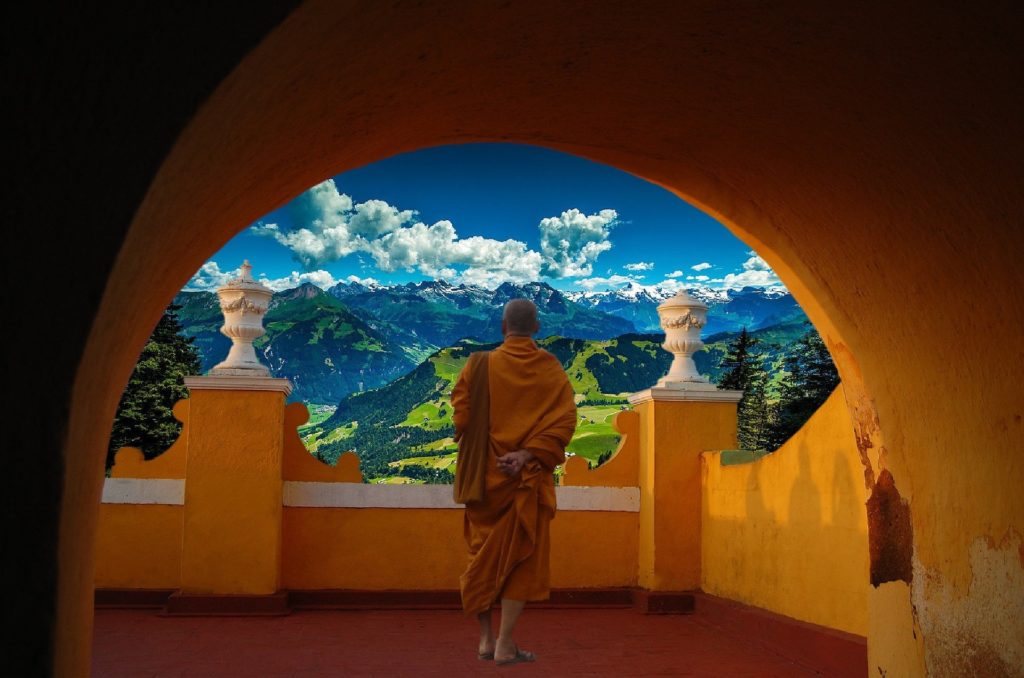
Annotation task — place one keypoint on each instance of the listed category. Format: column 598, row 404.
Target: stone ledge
column 218, row 382
column 308, row 494
column 143, row 491
column 691, row 392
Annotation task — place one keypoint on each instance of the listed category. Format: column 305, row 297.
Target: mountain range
column 440, row 314
column 728, row 310
column 355, row 337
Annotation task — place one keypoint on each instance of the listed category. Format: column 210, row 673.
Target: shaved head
column 520, row 318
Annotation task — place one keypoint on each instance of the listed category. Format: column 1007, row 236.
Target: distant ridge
column 357, row 336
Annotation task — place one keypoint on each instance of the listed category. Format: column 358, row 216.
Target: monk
column 532, row 417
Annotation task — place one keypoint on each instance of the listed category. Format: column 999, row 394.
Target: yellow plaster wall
column 594, row 549
column 138, row 547
column 233, row 494
column 423, row 549
column 788, row 532
column 672, row 436
column 371, row 548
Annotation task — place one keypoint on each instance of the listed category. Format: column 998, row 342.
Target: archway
column 713, row 130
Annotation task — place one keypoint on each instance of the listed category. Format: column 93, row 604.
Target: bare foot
column 519, row 655
column 508, row 653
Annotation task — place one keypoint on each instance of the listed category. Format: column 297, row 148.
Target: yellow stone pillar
column 680, row 417
column 233, row 486
column 676, row 425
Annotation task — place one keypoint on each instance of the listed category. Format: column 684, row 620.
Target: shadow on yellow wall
column 788, row 532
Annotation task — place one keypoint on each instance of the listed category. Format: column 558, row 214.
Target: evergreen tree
column 601, row 459
column 811, row 377
column 144, row 418
column 745, row 371
column 740, row 362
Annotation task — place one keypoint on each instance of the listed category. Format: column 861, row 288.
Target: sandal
column 521, row 656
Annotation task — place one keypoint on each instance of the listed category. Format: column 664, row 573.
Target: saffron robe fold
column 474, row 440
column 531, row 407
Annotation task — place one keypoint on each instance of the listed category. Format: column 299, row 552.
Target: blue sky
column 486, row 213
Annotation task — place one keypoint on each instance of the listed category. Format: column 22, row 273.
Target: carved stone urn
column 683, row 317
column 243, row 301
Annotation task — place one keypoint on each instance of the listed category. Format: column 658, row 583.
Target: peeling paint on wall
column 866, row 431
column 890, row 535
column 980, row 632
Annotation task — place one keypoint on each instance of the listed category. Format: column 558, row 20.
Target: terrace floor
column 568, row 642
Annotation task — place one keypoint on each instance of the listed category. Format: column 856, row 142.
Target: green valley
column 404, row 430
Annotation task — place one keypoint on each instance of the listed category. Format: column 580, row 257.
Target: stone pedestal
column 680, row 417
column 244, row 302
column 232, row 516
column 677, row 423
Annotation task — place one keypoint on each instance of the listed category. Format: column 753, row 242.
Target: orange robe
column 531, row 407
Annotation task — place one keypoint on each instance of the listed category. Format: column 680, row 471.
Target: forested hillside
column 403, row 431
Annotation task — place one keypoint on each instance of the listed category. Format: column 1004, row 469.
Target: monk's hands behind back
column 512, row 462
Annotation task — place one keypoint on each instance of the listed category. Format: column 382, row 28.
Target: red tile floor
column 568, row 642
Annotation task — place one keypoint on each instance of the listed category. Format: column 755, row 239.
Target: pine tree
column 144, row 418
column 811, row 377
column 745, row 371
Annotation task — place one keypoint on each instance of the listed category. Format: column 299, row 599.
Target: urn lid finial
column 245, row 281
column 682, row 299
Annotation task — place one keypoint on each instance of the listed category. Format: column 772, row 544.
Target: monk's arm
column 460, row 402
column 548, row 446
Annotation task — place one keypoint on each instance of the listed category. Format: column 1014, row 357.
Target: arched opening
column 636, row 387
column 727, row 154
column 305, row 321
column 377, row 270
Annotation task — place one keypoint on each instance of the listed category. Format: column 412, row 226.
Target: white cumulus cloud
column 756, row 273
column 320, row 278
column 640, row 266
column 209, row 277
column 332, row 226
column 702, row 266
column 362, row 281
column 571, row 242
column 374, row 218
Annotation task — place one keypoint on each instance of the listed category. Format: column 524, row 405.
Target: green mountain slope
column 312, row 339
column 403, row 431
